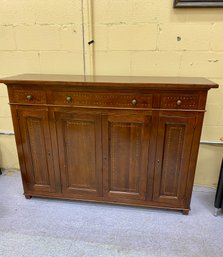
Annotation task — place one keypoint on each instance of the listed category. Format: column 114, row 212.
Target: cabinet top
column 111, row 81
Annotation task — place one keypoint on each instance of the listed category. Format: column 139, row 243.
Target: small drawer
column 95, row 99
column 28, row 96
column 179, row 101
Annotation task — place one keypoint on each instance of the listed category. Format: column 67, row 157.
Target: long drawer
column 122, row 100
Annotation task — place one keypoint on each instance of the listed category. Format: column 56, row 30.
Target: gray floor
column 45, row 228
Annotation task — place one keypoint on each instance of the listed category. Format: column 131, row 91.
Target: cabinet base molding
column 149, row 205
column 121, row 140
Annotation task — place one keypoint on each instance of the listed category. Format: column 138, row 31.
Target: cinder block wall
column 132, row 37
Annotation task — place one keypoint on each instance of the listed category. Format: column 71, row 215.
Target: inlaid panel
column 172, row 154
column 79, row 152
column 121, row 149
column 172, row 159
column 37, row 150
column 34, row 131
column 127, row 142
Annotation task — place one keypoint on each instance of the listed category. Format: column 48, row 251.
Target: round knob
column 134, row 102
column 69, row 99
column 179, row 102
column 29, row 97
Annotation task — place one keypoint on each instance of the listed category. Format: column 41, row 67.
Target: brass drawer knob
column 29, row 97
column 179, row 102
column 134, row 102
column 69, row 99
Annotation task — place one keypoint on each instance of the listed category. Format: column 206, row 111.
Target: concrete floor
column 53, row 228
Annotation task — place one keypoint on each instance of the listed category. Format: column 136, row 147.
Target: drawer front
column 28, row 96
column 179, row 101
column 102, row 99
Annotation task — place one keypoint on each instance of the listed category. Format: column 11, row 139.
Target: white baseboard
column 205, row 189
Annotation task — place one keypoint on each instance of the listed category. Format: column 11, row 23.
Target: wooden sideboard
column 125, row 140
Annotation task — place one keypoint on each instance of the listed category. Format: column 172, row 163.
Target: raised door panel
column 174, row 141
column 37, row 150
column 125, row 147
column 80, row 156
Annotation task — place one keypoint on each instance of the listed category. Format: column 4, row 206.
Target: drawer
column 95, row 99
column 179, row 101
column 28, row 96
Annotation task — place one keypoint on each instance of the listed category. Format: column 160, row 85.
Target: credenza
column 124, row 140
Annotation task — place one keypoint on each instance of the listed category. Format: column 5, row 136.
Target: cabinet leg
column 28, row 196
column 185, row 212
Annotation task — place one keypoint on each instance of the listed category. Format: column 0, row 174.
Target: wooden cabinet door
column 37, row 150
column 125, row 156
column 174, row 141
column 80, row 155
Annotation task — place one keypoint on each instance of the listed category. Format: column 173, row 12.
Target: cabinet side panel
column 193, row 158
column 20, row 151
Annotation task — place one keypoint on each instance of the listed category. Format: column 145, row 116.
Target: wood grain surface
column 125, row 140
